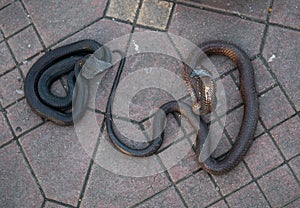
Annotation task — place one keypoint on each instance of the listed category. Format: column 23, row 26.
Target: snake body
column 250, row 100
column 49, row 68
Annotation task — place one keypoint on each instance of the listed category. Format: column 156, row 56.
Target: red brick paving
column 57, row 160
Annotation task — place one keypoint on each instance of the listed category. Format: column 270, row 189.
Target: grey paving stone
column 6, row 134
column 22, row 117
column 25, row 44
column 283, row 44
column 287, row 137
column 279, row 186
column 58, row 160
column 249, row 196
column 5, row 58
column 168, row 198
column 198, row 190
column 13, row 18
column 56, row 20
column 249, row 8
column 107, row 189
column 274, row 107
column 263, row 156
column 18, row 188
column 234, row 179
column 200, row 26
column 286, row 13
column 11, row 87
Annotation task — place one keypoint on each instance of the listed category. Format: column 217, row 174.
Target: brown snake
column 203, row 103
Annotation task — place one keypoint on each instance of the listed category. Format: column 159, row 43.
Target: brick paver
column 11, row 87
column 55, row 20
column 25, row 44
column 18, row 187
column 280, row 186
column 6, row 58
column 44, row 165
column 192, row 190
column 58, row 160
column 249, row 196
column 11, row 25
column 123, row 10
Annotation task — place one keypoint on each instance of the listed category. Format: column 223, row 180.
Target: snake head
column 199, row 72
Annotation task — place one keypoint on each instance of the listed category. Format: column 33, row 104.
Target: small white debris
column 271, row 58
column 25, row 62
column 20, row 92
column 29, row 46
column 136, row 46
column 113, row 19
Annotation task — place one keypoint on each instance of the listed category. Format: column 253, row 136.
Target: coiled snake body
column 64, row 59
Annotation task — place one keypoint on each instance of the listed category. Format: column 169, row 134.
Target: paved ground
column 44, row 165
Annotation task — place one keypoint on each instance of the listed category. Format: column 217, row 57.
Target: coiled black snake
column 65, row 58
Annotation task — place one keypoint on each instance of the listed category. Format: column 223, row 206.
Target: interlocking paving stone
column 155, row 13
column 234, row 179
column 263, row 156
column 295, row 164
column 184, row 167
column 200, row 26
column 279, row 186
column 287, row 137
column 124, row 10
column 11, row 25
column 272, row 113
column 105, row 189
column 113, row 34
column 168, row 198
column 5, row 134
column 249, row 196
column 11, row 87
column 3, row 3
column 5, row 58
column 25, row 44
column 248, row 7
column 53, row 205
column 286, row 13
column 294, row 204
column 56, row 20
column 58, row 160
column 198, row 190
column 18, row 188
column 220, row 204
column 22, row 117
column 283, row 44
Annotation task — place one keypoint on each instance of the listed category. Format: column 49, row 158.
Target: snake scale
column 69, row 60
